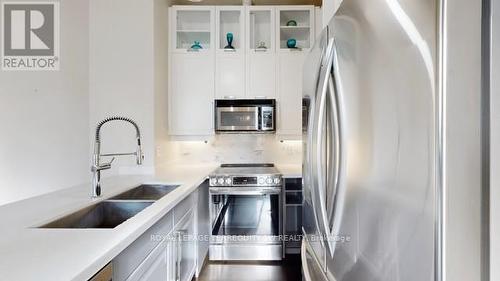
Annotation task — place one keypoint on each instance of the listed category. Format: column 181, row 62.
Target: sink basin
column 146, row 192
column 105, row 214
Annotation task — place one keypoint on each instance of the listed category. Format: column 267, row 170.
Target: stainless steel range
column 246, row 212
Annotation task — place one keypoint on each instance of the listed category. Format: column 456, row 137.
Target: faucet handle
column 108, row 165
column 103, row 166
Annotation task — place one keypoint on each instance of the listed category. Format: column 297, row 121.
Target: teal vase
column 196, row 45
column 291, row 43
column 229, row 38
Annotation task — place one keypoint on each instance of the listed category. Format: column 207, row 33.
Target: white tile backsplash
column 233, row 148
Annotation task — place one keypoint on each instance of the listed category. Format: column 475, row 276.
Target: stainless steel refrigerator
column 370, row 144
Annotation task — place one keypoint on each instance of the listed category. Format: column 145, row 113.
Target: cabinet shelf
column 295, row 27
column 193, row 31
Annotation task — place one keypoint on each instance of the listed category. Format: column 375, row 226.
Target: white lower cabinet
column 156, row 266
column 184, row 250
column 203, row 227
column 168, row 250
column 159, row 269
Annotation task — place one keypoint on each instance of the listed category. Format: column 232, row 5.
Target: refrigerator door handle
column 305, row 268
column 334, row 159
column 338, row 197
column 322, row 182
column 310, row 169
column 313, row 140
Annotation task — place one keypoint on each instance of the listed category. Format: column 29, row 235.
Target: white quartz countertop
column 30, row 253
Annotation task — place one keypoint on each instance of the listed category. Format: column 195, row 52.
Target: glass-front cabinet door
column 294, row 28
column 230, row 29
column 192, row 28
column 260, row 52
column 230, row 53
column 260, row 29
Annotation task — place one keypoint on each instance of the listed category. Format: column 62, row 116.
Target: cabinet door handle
column 178, row 256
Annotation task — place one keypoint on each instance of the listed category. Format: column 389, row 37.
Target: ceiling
column 254, row 2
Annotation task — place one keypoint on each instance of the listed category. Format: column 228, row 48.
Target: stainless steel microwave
column 245, row 115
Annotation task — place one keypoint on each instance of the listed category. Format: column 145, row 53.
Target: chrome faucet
column 97, row 166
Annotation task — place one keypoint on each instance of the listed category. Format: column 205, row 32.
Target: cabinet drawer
column 128, row 260
column 182, row 208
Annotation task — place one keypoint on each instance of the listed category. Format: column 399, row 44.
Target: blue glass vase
column 196, row 45
column 291, row 43
column 229, row 38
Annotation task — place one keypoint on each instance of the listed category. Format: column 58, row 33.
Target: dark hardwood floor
column 287, row 270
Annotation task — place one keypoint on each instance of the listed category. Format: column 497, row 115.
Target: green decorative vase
column 229, row 38
column 196, row 45
column 291, row 43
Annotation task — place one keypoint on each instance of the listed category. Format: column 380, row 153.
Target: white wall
column 122, row 69
column 44, row 132
column 161, row 74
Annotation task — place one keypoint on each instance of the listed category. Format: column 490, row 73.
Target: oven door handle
column 235, row 191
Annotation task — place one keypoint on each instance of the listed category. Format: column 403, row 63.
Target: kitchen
column 216, row 140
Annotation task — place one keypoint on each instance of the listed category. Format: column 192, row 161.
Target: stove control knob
column 228, row 181
column 261, row 181
column 276, row 180
column 220, row 181
column 269, row 180
column 213, row 181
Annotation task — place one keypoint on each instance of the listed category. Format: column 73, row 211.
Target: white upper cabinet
column 191, row 70
column 260, row 52
column 230, row 19
column 289, row 105
column 263, row 60
column 230, row 52
column 294, row 37
column 191, row 95
column 192, row 29
column 294, row 28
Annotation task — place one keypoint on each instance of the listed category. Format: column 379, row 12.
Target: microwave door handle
column 258, row 119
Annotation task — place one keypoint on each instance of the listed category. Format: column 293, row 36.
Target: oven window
column 238, row 118
column 248, row 215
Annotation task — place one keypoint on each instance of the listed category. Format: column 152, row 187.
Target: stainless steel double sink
column 114, row 211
